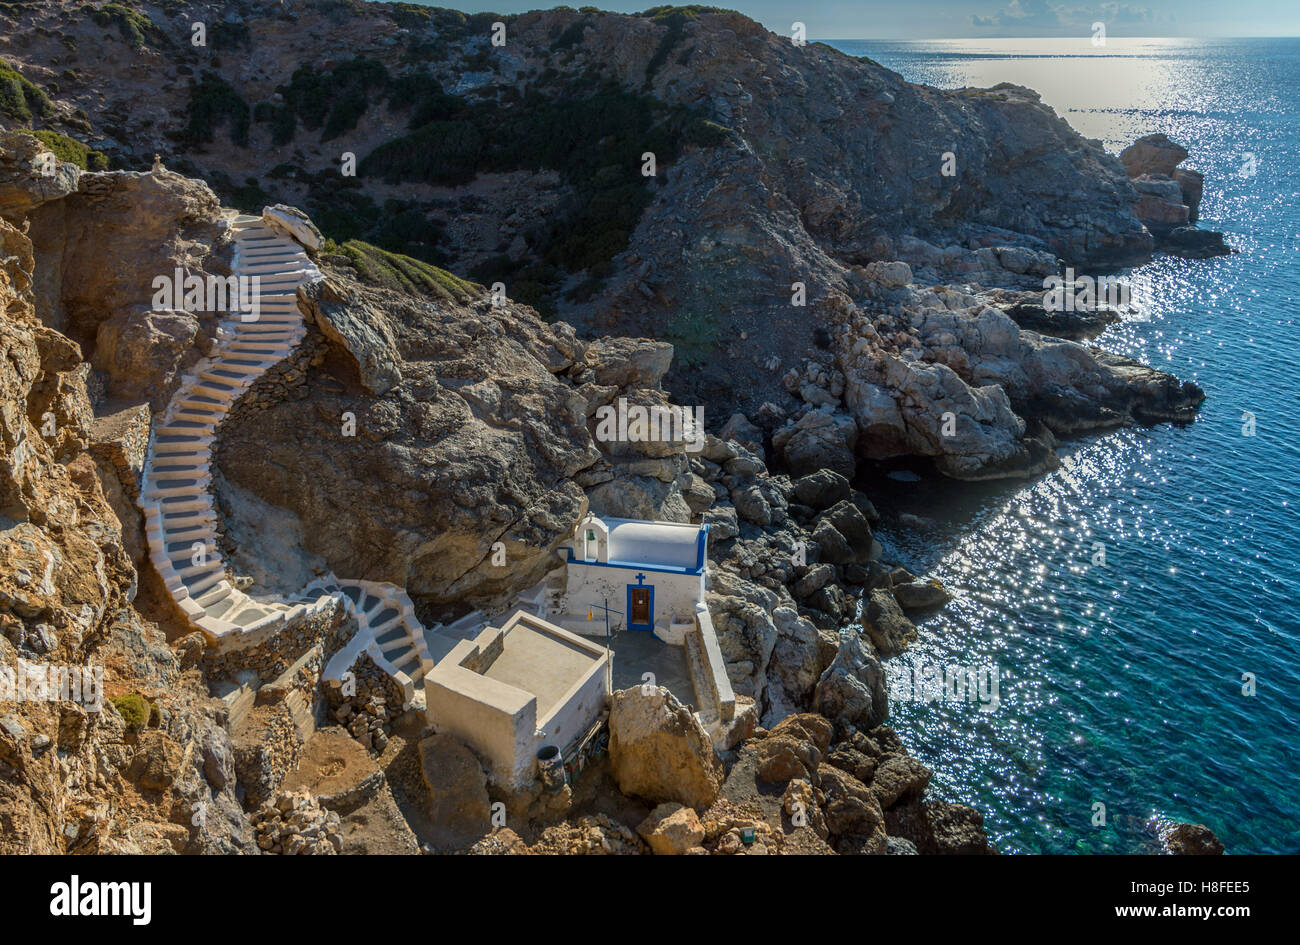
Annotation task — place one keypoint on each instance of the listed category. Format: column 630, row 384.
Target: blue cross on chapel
column 640, row 578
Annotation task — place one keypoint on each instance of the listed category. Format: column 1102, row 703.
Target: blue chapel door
column 640, row 607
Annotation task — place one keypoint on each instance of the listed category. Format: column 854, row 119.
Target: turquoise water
column 1121, row 683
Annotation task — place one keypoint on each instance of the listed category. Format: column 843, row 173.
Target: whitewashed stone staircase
column 181, row 520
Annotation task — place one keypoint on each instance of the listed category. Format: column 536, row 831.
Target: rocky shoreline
column 927, row 334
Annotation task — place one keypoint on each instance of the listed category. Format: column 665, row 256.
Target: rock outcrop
column 1191, row 840
column 425, row 433
column 845, row 790
column 941, row 373
column 659, row 751
column 1169, row 197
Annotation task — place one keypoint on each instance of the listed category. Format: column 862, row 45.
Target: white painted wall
column 589, row 585
column 498, row 721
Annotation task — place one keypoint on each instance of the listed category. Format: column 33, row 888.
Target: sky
column 951, row 19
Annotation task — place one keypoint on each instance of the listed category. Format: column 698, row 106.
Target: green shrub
column 422, row 94
column 571, row 36
column 229, row 36
column 694, row 338
column 214, row 102
column 675, row 19
column 331, row 102
column 19, row 98
column 71, row 150
column 441, row 152
column 404, row 274
column 411, row 16
column 136, row 28
column 134, row 710
column 14, row 9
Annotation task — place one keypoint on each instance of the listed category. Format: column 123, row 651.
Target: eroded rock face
column 464, row 436
column 102, row 247
column 73, row 776
column 659, row 751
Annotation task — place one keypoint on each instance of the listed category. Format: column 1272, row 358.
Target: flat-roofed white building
column 514, row 689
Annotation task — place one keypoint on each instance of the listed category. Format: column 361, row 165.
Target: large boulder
column 885, row 624
column 1153, row 154
column 821, row 489
column 853, row 814
column 659, row 751
column 628, row 362
column 671, row 830
column 142, row 352
column 793, row 749
column 921, row 595
column 852, row 688
column 459, row 806
column 851, row 522
column 24, row 181
column 1193, row 243
column 820, row 439
column 640, row 497
column 743, row 618
column 801, row 653
column 294, row 224
column 899, row 776
column 1191, row 840
column 939, row 827
column 357, row 326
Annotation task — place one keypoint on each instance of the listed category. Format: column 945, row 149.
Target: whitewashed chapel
column 652, row 574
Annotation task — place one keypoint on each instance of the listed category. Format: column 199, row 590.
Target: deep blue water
column 1122, row 683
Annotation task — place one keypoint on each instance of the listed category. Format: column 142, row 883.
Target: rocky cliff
column 797, row 196
column 87, row 774
column 416, row 426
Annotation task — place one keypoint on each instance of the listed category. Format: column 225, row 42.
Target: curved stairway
column 181, row 519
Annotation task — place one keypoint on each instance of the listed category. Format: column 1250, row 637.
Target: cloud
column 1039, row 17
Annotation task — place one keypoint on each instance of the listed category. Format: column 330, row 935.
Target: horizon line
column 933, row 39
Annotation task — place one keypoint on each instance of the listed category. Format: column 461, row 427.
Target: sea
column 1137, row 607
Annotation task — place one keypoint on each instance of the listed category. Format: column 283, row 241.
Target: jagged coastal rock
column 902, row 212
column 1170, row 197
column 799, row 266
